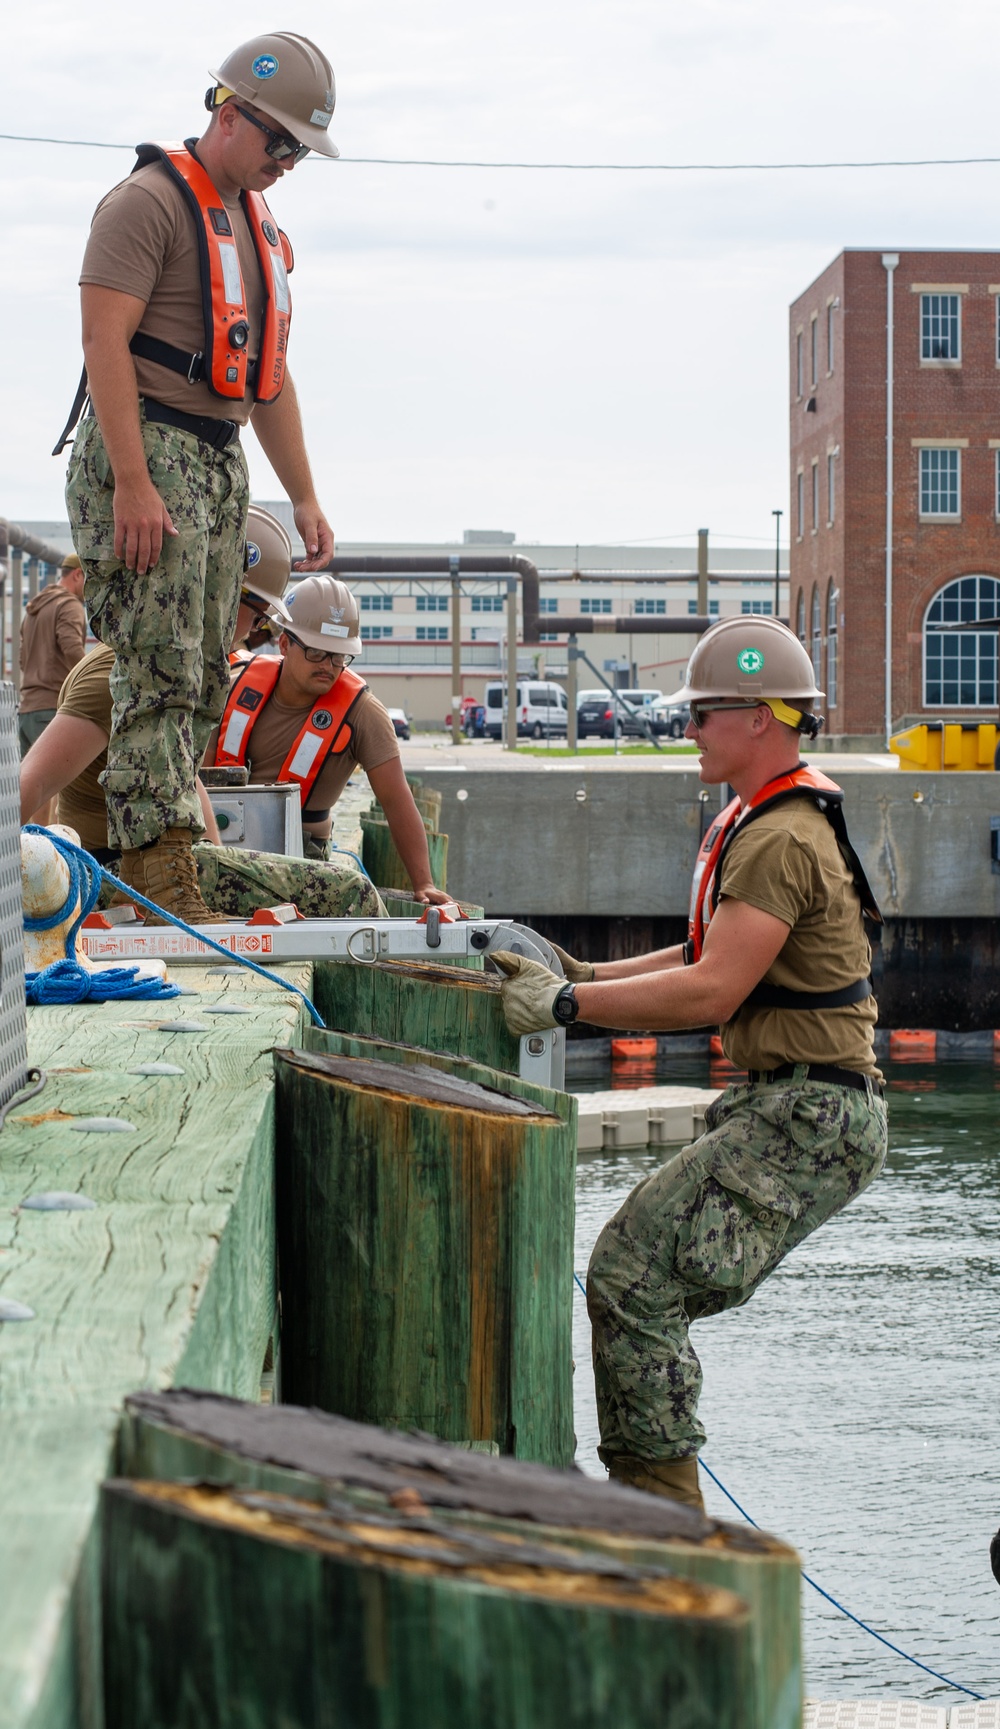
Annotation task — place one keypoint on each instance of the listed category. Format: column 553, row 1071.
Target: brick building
column 938, row 315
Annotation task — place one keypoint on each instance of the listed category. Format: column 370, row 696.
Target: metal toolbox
column 268, row 818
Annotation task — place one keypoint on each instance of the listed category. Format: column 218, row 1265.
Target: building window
column 832, row 598
column 548, row 605
column 766, row 607
column 547, row 636
column 490, row 603
column 376, row 602
column 595, row 606
column 940, row 330
column 800, row 488
column 939, row 483
column 815, row 497
column 650, row 605
column 831, row 309
column 432, row 633
column 813, row 345
column 433, row 602
column 713, row 608
column 960, row 667
column 817, row 636
column 831, row 489
column 800, row 618
column 798, row 361
column 375, row 632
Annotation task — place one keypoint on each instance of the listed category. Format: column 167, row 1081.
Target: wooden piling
column 327, row 1043
column 383, row 863
column 425, row 1237
column 448, row 1009
column 323, row 1460
column 228, row 1607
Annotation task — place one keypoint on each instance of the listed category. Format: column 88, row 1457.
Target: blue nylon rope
column 86, row 870
column 66, row 981
column 957, row 1685
column 345, row 852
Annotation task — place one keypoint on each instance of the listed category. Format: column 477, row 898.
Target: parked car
column 400, row 723
column 598, row 713
column 669, row 718
column 540, row 708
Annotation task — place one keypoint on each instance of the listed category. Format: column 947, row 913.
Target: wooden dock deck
column 169, row 1280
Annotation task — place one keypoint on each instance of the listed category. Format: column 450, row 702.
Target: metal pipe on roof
column 17, row 536
column 514, row 564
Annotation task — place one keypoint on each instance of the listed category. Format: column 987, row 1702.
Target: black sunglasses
column 316, row 656
column 281, row 148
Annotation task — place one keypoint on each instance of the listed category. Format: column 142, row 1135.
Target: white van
column 541, row 710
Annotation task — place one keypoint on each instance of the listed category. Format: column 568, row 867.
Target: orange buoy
column 913, row 1044
column 629, row 1050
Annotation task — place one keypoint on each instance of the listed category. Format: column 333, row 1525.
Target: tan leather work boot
column 674, row 1479
column 166, row 873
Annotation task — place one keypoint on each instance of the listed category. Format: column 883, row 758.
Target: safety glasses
column 700, row 709
column 281, row 148
column 316, row 656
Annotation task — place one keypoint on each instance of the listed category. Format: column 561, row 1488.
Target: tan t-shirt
column 87, row 694
column 788, row 863
column 278, row 726
column 143, row 241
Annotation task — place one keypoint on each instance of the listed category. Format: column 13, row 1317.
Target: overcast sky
column 575, row 357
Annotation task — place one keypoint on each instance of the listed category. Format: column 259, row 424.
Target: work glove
column 578, row 972
column 527, row 992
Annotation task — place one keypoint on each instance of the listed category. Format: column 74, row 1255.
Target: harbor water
column 851, row 1405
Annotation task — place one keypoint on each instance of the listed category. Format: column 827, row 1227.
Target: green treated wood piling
column 449, row 1009
column 373, row 1477
column 425, row 1238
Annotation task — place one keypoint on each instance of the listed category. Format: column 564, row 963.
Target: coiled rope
column 66, row 981
column 86, row 876
column 816, row 1587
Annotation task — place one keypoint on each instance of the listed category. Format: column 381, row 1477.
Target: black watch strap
column 565, row 1007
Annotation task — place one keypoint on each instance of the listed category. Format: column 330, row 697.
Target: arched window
column 832, row 597
column 817, row 637
column 960, row 666
column 800, row 618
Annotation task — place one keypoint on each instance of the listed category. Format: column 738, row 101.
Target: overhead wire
column 575, row 167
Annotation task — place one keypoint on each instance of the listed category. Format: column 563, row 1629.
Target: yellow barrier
column 946, row 745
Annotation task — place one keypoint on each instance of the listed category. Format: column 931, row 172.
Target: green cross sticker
column 750, row 660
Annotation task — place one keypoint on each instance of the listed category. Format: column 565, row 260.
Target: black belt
column 218, row 433
column 816, row 1072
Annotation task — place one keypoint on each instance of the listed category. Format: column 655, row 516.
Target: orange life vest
column 325, row 731
column 800, row 782
column 224, row 363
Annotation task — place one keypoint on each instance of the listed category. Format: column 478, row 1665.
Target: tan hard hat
column 269, row 563
column 289, row 79
column 749, row 659
column 325, row 614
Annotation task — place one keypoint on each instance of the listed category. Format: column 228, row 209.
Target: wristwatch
column 565, row 1007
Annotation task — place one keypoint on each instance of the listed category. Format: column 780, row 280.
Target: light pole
column 777, row 514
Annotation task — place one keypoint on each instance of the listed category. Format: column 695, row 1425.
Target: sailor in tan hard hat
column 304, row 716
column 778, row 958
column 186, row 310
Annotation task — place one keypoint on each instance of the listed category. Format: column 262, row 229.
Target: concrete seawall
column 568, row 841
column 576, row 849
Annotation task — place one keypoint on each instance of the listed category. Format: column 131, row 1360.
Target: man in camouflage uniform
column 783, row 968
column 157, row 484
column 69, row 761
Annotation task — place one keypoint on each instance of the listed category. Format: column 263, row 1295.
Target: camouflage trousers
column 699, row 1235
column 171, row 629
column 238, row 880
